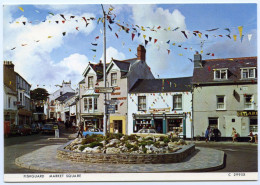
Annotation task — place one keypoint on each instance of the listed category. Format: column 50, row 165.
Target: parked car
column 13, row 129
column 148, row 132
column 92, row 131
column 24, row 129
column 35, row 128
column 48, row 128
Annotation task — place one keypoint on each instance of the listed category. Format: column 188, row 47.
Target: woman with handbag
column 234, row 134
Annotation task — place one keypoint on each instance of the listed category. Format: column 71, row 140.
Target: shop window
column 175, row 125
column 177, row 101
column 90, row 82
column 213, row 122
column 220, row 102
column 253, row 125
column 113, row 79
column 233, row 120
column 248, row 99
column 141, row 103
column 248, row 73
column 220, row 74
column 116, row 105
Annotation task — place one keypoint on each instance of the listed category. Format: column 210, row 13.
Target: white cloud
column 33, row 61
column 157, row 55
column 113, row 53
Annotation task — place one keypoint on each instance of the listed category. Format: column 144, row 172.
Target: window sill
column 221, row 109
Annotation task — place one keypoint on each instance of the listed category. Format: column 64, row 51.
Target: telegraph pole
column 104, row 70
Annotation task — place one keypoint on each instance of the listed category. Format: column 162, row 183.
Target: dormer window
column 90, row 82
column 248, row 73
column 220, row 74
column 113, row 79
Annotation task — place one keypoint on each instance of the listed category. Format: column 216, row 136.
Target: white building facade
column 163, row 104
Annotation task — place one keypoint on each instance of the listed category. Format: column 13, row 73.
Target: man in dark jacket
column 216, row 133
column 80, row 130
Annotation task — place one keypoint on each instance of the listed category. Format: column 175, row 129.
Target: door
column 158, row 123
column 118, row 126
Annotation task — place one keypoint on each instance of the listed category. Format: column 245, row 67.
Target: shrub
column 157, row 144
column 143, row 143
column 135, row 148
column 148, row 138
column 166, row 140
column 144, row 150
column 94, row 144
column 92, row 138
column 161, row 138
column 174, row 139
column 81, row 148
column 129, row 146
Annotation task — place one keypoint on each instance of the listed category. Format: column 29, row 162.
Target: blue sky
column 52, row 60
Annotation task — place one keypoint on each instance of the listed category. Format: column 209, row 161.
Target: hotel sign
column 246, row 113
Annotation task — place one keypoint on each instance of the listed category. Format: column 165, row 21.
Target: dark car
column 35, row 128
column 48, row 129
column 24, row 129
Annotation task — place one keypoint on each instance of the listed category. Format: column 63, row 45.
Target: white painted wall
column 167, row 101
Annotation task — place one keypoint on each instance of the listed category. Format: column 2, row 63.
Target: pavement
column 203, row 159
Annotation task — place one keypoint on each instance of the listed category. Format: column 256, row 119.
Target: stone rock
column 181, row 142
column 172, row 144
column 148, row 147
column 161, row 143
column 140, row 139
column 157, row 139
column 122, row 138
column 103, row 142
column 113, row 141
column 112, row 150
column 149, row 151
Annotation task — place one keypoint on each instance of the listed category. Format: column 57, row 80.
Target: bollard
column 57, row 133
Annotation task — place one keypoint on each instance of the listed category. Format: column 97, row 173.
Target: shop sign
column 246, row 113
column 159, row 110
column 111, row 109
column 112, row 102
column 104, row 89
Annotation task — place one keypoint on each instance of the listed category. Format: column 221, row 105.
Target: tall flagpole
column 104, row 71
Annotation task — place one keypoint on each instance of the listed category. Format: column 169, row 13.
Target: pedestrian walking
column 216, row 133
column 80, row 130
column 207, row 132
column 234, row 134
column 251, row 135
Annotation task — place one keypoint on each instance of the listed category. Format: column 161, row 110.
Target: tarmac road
column 240, row 157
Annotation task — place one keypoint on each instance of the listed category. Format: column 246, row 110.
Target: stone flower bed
column 123, row 144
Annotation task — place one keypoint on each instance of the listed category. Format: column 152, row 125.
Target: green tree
column 39, row 94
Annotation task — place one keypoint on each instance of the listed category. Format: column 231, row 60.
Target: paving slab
column 44, row 159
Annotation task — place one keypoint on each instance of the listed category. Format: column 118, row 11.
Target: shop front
column 92, row 121
column 10, row 115
column 162, row 123
column 251, row 116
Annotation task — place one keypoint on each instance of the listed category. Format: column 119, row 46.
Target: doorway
column 118, row 126
column 158, row 123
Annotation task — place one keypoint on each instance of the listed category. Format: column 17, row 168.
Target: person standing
column 207, row 132
column 80, row 130
column 234, row 134
column 216, row 133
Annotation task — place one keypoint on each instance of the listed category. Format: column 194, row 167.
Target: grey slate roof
column 205, row 75
column 65, row 96
column 182, row 84
column 124, row 65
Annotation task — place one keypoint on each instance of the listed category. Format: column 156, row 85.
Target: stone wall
column 175, row 157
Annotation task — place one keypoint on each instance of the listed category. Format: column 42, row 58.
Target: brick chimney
column 197, row 60
column 141, row 53
column 9, row 65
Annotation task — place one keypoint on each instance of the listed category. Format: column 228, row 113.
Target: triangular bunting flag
column 155, row 40
column 146, row 42
column 249, row 37
column 240, row 29
column 184, row 34
column 235, row 37
column 64, row 33
column 133, row 36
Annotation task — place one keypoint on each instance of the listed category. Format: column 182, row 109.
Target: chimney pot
column 197, row 60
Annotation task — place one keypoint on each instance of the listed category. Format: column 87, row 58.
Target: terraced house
column 225, row 95
column 121, row 75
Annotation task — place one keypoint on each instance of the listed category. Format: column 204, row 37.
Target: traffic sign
column 112, row 102
column 111, row 109
column 104, row 89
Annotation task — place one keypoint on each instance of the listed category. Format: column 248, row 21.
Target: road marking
column 228, row 149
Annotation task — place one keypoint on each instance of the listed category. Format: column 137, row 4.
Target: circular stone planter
column 126, row 158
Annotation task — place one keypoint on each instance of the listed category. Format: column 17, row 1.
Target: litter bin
column 57, row 133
